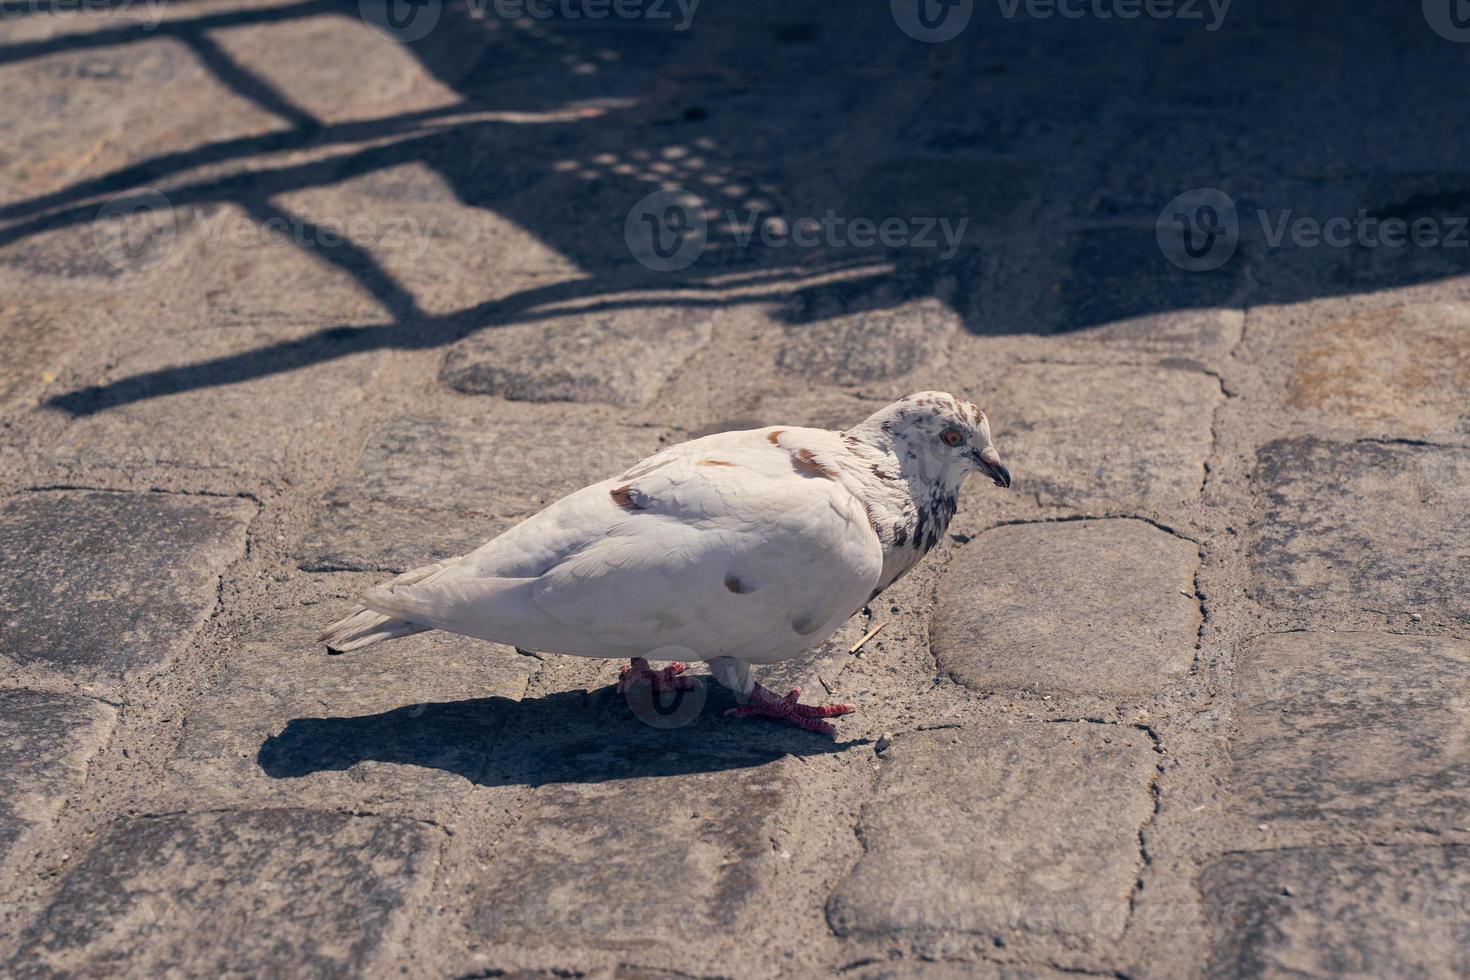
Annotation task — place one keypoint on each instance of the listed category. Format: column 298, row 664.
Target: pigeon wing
column 723, row 546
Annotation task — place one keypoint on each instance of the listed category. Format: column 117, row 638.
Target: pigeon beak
column 990, row 462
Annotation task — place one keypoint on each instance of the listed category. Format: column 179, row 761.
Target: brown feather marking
column 804, row 461
column 713, row 462
column 774, row 438
column 806, row 625
column 733, row 583
column 623, row 497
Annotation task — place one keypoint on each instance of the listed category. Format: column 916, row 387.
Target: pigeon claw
column 668, row 679
column 765, row 703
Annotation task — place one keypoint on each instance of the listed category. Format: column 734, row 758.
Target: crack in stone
column 1404, row 441
column 1204, row 616
column 203, row 811
column 978, row 959
column 86, row 488
column 1156, row 793
column 1072, row 518
column 1158, row 746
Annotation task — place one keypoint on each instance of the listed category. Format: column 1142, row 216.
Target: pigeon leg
column 668, row 679
column 766, row 703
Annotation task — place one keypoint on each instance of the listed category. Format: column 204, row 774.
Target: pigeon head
column 939, row 436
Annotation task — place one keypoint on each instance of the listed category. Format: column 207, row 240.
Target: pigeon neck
column 911, row 497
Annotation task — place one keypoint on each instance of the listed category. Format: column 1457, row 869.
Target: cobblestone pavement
column 293, row 297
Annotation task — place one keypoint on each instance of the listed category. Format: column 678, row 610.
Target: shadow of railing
column 1059, row 141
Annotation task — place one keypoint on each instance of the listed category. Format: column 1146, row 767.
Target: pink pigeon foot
column 668, row 679
column 765, row 703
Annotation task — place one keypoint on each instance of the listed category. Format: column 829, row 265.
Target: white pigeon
column 745, row 547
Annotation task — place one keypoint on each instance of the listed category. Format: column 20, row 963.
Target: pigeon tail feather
column 363, row 627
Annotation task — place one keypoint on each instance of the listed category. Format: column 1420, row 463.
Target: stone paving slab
column 999, row 194
column 384, row 76
column 105, row 127
column 959, row 970
column 187, row 894
column 622, row 971
column 872, row 346
column 1207, row 333
column 514, row 344
column 40, row 339
column 115, row 584
column 1397, row 371
column 196, row 424
column 1114, row 275
column 1104, row 436
column 426, row 489
column 229, row 268
column 1360, row 732
column 412, row 222
column 632, row 861
column 1007, row 834
column 618, row 356
column 1080, row 606
column 1363, row 525
column 368, row 714
column 1361, row 912
column 47, row 742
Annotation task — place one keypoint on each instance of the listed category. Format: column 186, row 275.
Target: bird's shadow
column 565, row 737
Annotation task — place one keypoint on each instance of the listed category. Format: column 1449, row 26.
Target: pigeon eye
column 951, row 437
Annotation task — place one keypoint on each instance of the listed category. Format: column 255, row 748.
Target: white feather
column 722, row 547
column 740, row 547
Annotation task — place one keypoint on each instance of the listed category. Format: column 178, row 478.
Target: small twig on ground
column 866, row 637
